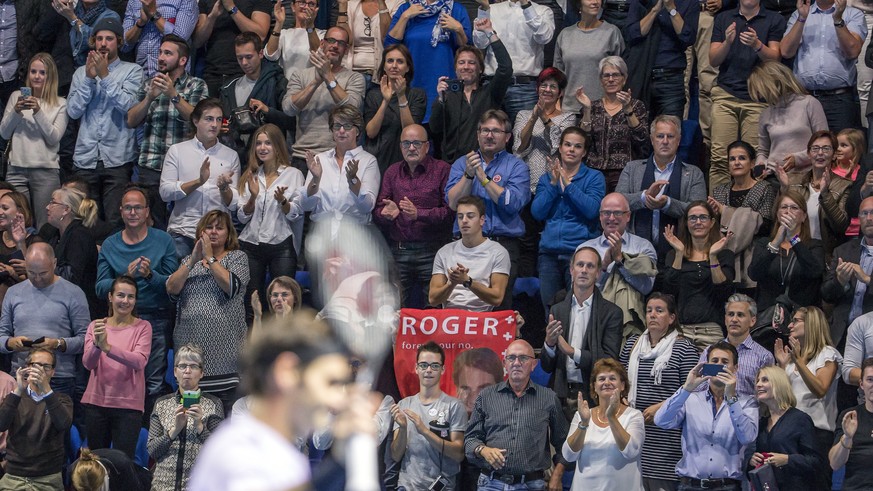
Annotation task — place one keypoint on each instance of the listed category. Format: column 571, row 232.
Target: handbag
column 763, row 479
column 773, row 321
column 243, row 120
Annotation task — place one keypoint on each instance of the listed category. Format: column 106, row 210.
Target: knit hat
column 110, row 23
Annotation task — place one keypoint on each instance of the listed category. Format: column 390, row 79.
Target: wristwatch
column 211, row 260
column 841, row 23
column 354, row 181
column 467, row 284
column 673, row 12
column 175, row 99
column 155, row 16
column 331, row 85
column 232, row 11
column 732, row 400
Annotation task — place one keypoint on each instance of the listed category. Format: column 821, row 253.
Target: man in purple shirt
column 413, row 213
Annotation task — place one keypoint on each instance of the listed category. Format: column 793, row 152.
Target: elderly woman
column 189, row 409
column 789, row 261
column 617, row 122
column 209, row 289
column 537, row 131
column 790, row 118
column 367, row 22
column 657, row 364
column 392, row 105
column 851, row 146
column 785, row 437
column 700, row 272
column 284, row 296
column 605, row 441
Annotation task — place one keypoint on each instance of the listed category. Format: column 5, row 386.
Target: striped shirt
column 662, row 448
column 524, row 426
column 752, row 357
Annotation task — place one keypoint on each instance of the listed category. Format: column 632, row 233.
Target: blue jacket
column 572, row 216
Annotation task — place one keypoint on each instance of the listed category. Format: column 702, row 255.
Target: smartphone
column 711, row 369
column 26, row 92
column 190, row 398
column 662, row 191
column 438, row 485
column 31, row 342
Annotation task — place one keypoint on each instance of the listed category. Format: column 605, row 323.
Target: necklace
column 597, row 419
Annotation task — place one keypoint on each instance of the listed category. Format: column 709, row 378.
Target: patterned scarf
column 438, row 34
column 88, row 17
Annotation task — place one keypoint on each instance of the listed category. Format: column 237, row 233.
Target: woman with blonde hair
column 34, row 124
column 851, row 146
column 785, row 440
column 788, row 121
column 269, row 206
column 108, row 469
column 72, row 213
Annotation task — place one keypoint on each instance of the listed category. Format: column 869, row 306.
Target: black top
column 733, row 74
column 124, row 473
column 859, row 472
column 386, row 145
column 671, row 46
column 699, row 299
column 220, row 53
column 804, row 280
column 76, row 253
column 794, row 435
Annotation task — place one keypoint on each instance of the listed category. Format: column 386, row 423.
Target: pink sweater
column 117, row 378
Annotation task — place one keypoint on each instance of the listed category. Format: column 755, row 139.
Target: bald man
column 45, row 308
column 513, row 423
column 413, row 213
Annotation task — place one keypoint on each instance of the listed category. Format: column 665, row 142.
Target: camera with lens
column 455, row 85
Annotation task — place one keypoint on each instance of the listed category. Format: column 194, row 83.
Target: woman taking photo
column 182, row 421
column 284, row 296
column 789, row 262
column 34, row 124
column 785, row 437
column 116, row 351
column 568, row 201
column 605, row 441
column 700, row 272
column 209, row 289
column 618, row 123
column 537, row 131
column 658, row 363
column 392, row 105
column 269, row 206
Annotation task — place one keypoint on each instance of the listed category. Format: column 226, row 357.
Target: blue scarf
column 438, row 35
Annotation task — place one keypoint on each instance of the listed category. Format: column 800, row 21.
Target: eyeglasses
column 789, row 207
column 796, row 320
column 550, row 86
column 607, row 76
column 699, row 218
column 44, row 366
column 817, row 149
column 521, row 358
column 53, row 202
column 865, row 213
column 311, row 5
column 280, row 295
column 339, row 42
column 433, row 366
column 368, row 26
column 490, row 131
column 184, row 367
column 612, row 213
column 345, row 126
column 412, row 143
column 133, row 208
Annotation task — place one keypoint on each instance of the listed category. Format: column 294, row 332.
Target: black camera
column 455, row 85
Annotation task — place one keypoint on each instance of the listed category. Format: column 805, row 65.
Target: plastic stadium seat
column 529, row 286
column 170, row 377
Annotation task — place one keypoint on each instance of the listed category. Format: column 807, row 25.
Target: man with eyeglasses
column 429, row 433
column 149, row 256
column 413, row 212
column 513, row 425
column 313, row 92
column 502, row 181
column 628, row 266
column 37, row 420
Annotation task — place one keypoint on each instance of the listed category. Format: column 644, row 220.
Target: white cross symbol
column 507, row 336
column 510, row 319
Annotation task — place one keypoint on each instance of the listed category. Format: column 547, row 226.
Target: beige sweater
column 35, row 137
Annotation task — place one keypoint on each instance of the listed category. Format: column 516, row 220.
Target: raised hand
column 718, row 246
column 782, row 353
column 279, row 14
column 313, row 163
column 583, row 409
column 449, row 23
column 583, row 98
column 614, row 403
column 850, row 424
column 695, row 378
column 254, row 187
column 390, row 209
column 352, row 171
column 483, row 25
column 803, row 8
column 674, row 241
column 626, row 99
column 257, row 308
column 204, row 171
column 554, row 330
column 408, row 208
column 385, row 88
column 413, row 11
column 100, row 338
column 279, row 194
column 206, row 244
column 715, row 205
column 750, row 38
column 730, row 33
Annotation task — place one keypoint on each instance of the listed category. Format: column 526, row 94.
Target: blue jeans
column 668, row 94
column 488, row 484
column 518, row 98
column 184, row 246
column 554, row 276
column 156, row 368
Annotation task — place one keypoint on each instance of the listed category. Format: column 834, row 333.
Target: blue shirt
column 572, row 215
column 630, row 244
column 502, row 218
column 8, row 41
column 713, row 438
column 861, row 287
column 820, row 63
column 180, row 17
column 102, row 105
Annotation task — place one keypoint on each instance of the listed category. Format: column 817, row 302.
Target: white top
column 600, row 465
column 334, row 200
column 247, row 455
column 35, row 137
column 483, row 260
column 813, row 210
column 270, row 225
column 182, row 164
column 293, row 51
column 822, row 411
column 524, row 32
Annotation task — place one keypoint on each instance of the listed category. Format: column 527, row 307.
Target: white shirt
column 600, row 465
column 524, row 32
column 813, row 211
column 822, row 411
column 334, row 200
column 293, row 51
column 182, row 164
column 268, row 226
column 579, row 317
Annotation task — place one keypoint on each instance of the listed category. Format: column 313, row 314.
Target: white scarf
column 643, row 350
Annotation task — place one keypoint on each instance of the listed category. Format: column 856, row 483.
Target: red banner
column 454, row 330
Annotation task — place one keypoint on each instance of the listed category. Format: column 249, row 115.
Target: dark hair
column 406, row 54
column 480, row 57
column 589, row 249
column 685, row 234
column 724, row 346
column 291, row 284
column 473, row 200
column 203, row 106
column 750, row 150
column 248, row 37
column 431, row 347
column 609, row 365
column 181, row 44
column 575, row 130
column 867, row 363
column 346, row 112
column 4, row 185
column 822, row 134
column 133, row 187
column 670, row 302
column 34, row 351
column 499, row 116
column 127, row 280
column 484, row 359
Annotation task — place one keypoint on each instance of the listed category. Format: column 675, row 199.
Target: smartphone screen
column 711, row 369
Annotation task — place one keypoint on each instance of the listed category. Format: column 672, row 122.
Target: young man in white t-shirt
column 471, row 273
column 429, row 437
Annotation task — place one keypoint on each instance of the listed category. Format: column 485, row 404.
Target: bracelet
column 274, row 33
column 759, row 48
column 383, row 11
column 58, row 347
column 403, row 104
column 628, row 113
column 582, row 427
column 794, row 240
column 527, row 6
column 135, row 23
column 801, row 19
column 484, row 182
column 844, row 445
column 232, row 11
column 713, row 266
column 468, row 176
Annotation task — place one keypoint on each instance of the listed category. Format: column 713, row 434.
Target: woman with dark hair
column 116, row 351
column 618, row 123
column 700, row 272
column 16, row 225
column 605, row 440
column 537, row 131
column 269, row 206
column 392, row 105
column 209, row 289
column 744, row 191
column 284, row 296
column 789, row 261
column 568, row 201
column 657, row 362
